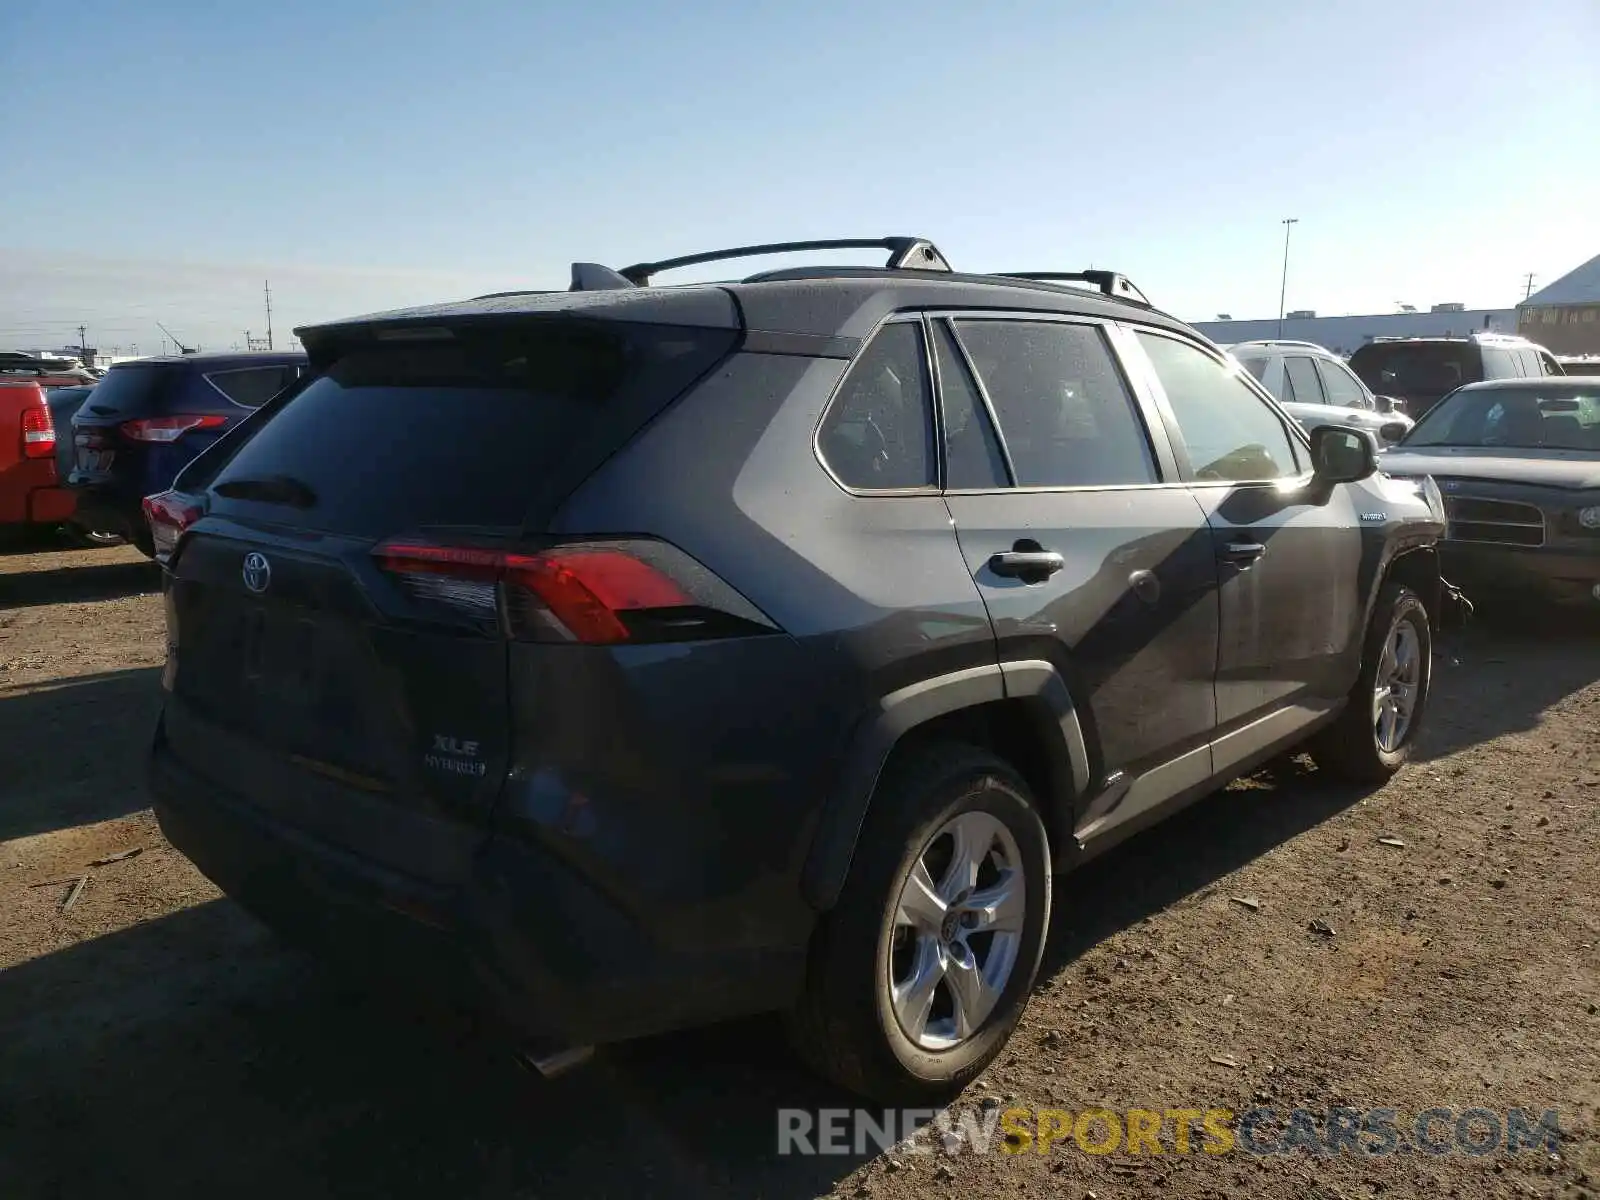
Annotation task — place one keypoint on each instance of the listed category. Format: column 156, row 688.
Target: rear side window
column 251, row 387
column 463, row 431
column 1343, row 388
column 878, row 432
column 1065, row 415
column 1302, row 376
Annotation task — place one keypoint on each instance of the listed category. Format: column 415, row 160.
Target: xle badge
column 458, row 756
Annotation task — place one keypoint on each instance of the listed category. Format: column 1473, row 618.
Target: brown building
column 1565, row 317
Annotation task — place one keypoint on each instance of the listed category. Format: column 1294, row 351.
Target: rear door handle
column 1243, row 552
column 1021, row 564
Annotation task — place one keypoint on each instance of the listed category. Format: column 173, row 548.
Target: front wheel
column 1374, row 736
column 919, row 975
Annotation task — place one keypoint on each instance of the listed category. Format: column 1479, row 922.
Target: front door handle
column 1243, row 552
column 1026, row 564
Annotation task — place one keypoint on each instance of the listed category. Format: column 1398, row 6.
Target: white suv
column 1316, row 388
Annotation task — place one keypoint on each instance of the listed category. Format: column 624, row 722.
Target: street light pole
column 1283, row 290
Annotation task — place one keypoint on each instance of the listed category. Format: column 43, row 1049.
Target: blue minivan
column 146, row 419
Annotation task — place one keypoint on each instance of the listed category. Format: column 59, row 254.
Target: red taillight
column 38, row 433
column 577, row 594
column 169, row 514
column 169, row 429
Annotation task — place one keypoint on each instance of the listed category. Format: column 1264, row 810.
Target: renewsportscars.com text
column 1137, row 1131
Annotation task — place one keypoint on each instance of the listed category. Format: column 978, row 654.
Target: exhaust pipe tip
column 552, row 1062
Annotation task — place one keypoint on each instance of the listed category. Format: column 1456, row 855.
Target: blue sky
column 362, row 155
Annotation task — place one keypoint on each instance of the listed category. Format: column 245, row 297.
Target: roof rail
column 1281, row 342
column 523, row 292
column 908, row 253
column 1109, row 282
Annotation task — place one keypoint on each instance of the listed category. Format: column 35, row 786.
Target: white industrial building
column 1344, row 334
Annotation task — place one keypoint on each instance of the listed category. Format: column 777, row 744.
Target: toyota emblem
column 257, row 572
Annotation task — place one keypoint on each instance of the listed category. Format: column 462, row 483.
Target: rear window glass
column 1416, row 369
column 133, row 389
column 464, row 431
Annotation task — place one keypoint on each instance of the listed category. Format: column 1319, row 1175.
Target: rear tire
column 90, row 539
column 868, row 1018
column 1374, row 736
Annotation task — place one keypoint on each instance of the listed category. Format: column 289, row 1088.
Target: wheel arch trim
column 833, row 844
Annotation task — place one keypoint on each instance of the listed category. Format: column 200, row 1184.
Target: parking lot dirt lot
column 154, row 1041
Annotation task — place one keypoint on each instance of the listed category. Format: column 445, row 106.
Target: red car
column 30, row 487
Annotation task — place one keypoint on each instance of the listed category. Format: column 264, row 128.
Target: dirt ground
column 155, row 1042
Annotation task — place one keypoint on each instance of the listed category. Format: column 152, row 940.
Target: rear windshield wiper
column 276, row 489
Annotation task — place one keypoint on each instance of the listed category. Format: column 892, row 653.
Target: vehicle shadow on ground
column 192, row 1050
column 73, row 750
column 191, row 1056
column 1187, row 853
column 1500, row 674
column 71, row 585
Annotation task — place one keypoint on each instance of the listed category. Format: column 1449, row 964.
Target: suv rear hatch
column 338, row 609
column 130, row 392
column 1420, row 373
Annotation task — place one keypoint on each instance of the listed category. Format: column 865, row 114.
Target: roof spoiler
column 905, row 253
column 1109, row 283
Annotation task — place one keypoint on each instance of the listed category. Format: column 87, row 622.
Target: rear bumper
column 31, row 494
column 46, row 506
column 1558, row 573
column 521, row 935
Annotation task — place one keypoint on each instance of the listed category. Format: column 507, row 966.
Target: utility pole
column 266, row 286
column 83, row 341
column 1529, row 290
column 1283, row 290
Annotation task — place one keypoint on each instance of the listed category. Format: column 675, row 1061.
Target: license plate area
column 278, row 657
column 284, row 676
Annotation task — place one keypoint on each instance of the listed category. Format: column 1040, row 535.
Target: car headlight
column 1589, row 517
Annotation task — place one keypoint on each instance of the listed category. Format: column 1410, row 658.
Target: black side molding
column 839, row 825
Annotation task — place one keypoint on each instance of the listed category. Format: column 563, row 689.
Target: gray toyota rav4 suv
column 633, row 656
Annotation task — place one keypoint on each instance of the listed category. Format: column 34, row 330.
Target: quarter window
column 1343, row 388
column 1302, row 373
column 878, row 433
column 1065, row 415
column 1230, row 432
column 1498, row 364
column 251, row 386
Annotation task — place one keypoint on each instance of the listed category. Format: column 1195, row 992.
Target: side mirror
column 1389, row 404
column 1393, row 431
column 1341, row 455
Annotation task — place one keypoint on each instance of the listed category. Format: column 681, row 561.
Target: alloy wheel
column 957, row 931
column 1396, row 687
